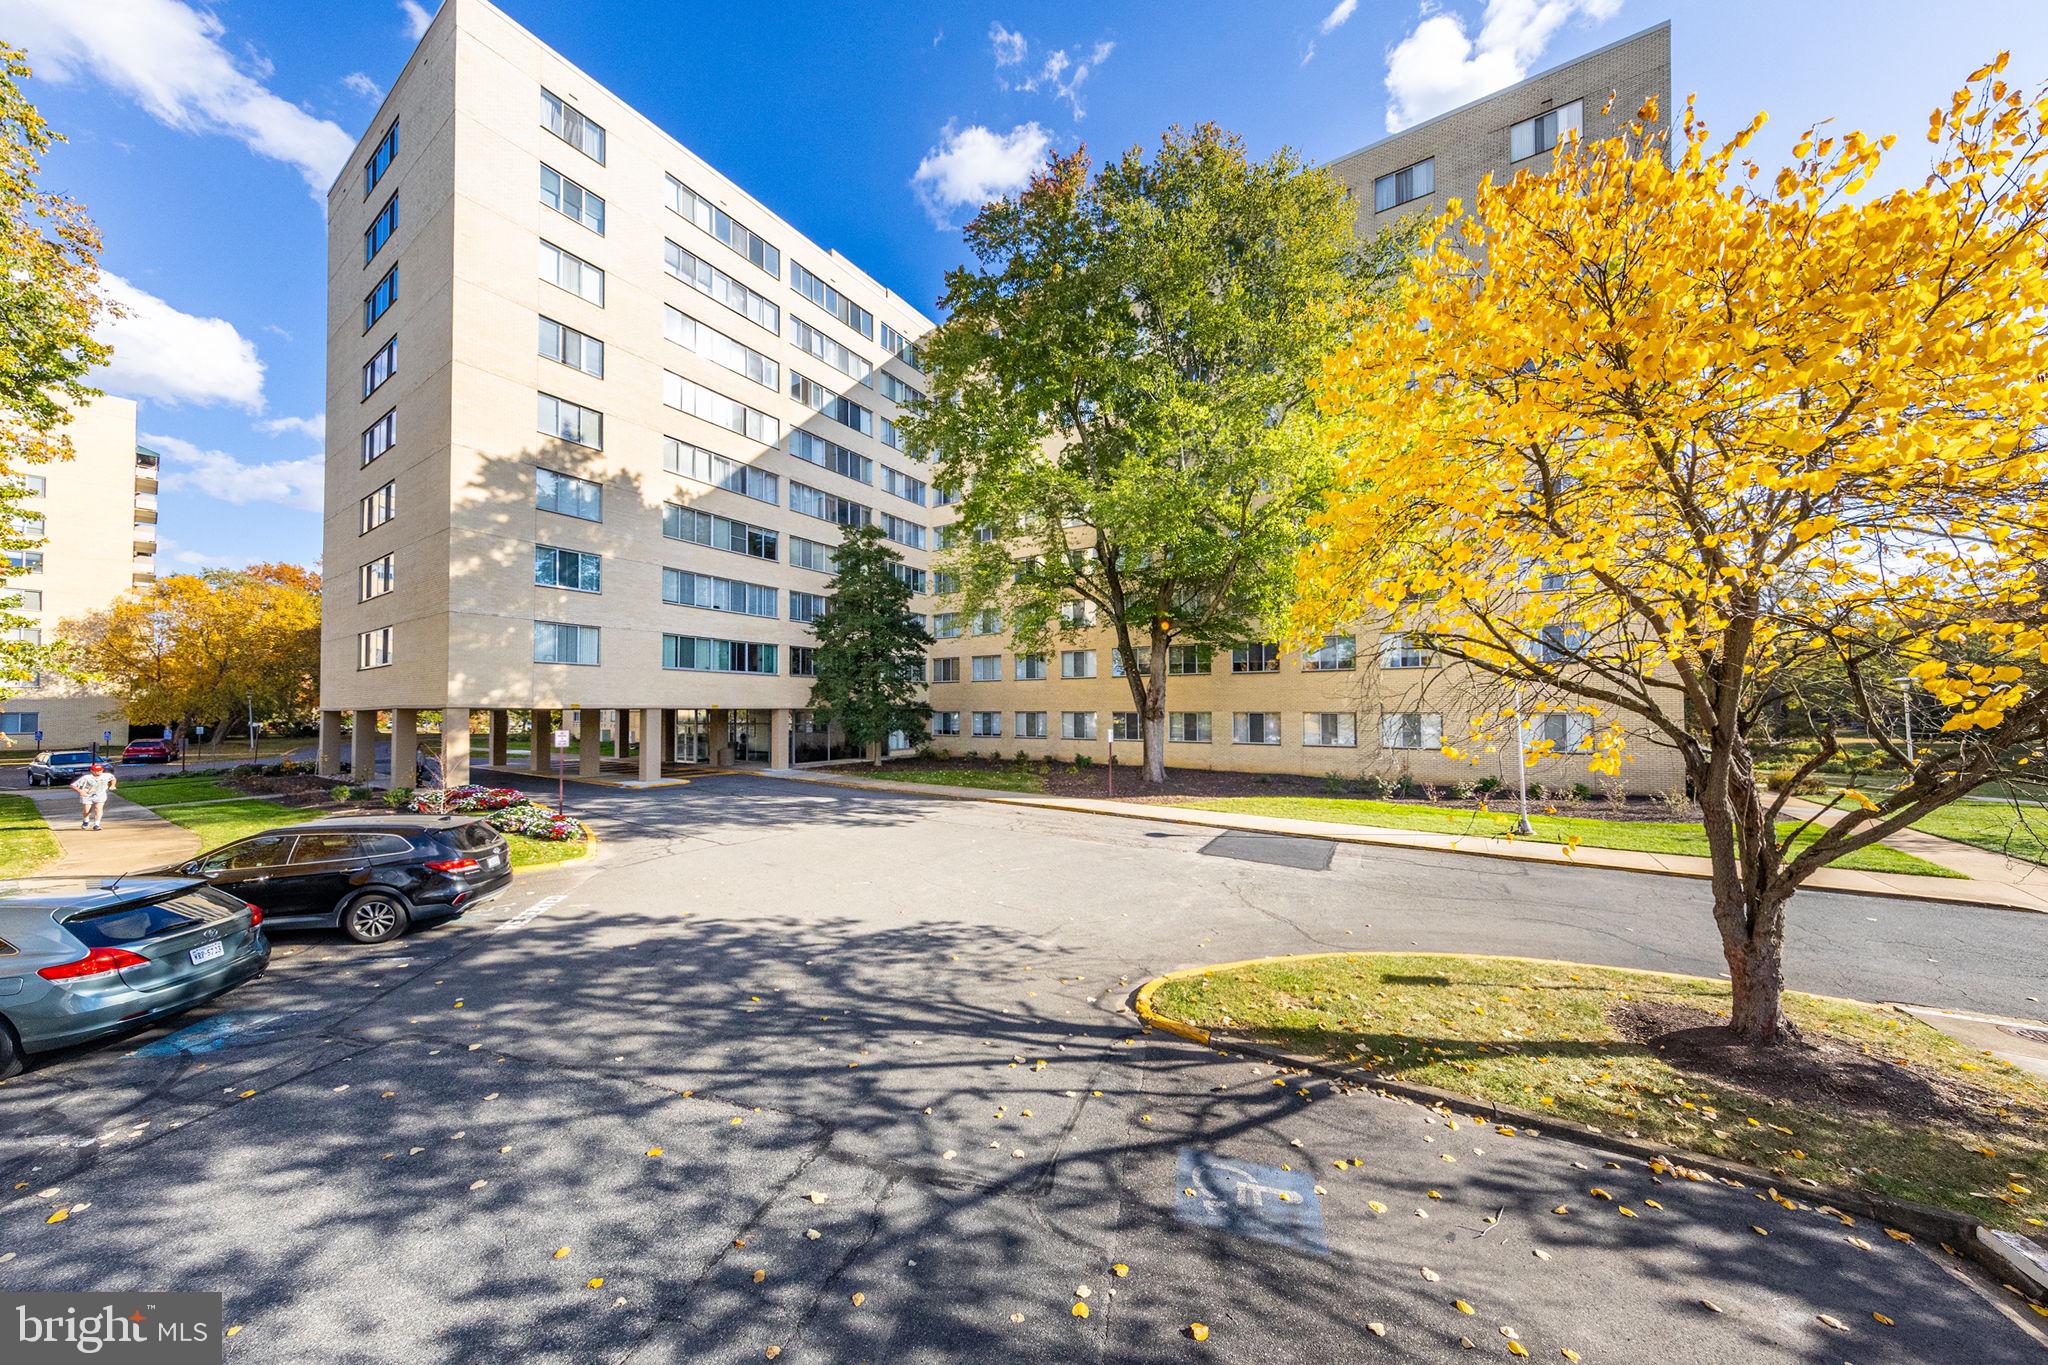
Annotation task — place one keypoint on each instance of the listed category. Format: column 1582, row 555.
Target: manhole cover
column 1282, row 850
column 2032, row 1035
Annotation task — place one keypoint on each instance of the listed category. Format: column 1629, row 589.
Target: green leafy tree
column 871, row 649
column 49, row 305
column 1120, row 393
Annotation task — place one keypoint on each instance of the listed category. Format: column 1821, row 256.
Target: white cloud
column 1337, row 16
column 1009, row 45
column 176, row 357
column 314, row 426
column 169, row 551
column 362, row 85
column 1439, row 66
column 417, row 17
column 973, row 165
column 167, row 56
column 1059, row 74
column 219, row 475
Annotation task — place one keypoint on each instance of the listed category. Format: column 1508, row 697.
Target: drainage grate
column 2032, row 1035
column 1281, row 850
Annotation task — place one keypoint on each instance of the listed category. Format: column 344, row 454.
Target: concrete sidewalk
column 1990, row 880
column 132, row 838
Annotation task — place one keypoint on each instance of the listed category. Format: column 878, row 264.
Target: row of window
column 1337, row 653
column 1319, row 729
column 1530, row 137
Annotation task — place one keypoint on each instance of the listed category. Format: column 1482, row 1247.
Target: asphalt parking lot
column 849, row 1076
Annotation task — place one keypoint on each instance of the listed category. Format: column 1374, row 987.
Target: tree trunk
column 1749, row 904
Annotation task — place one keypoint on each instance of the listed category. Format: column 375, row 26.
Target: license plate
column 491, row 863
column 207, row 952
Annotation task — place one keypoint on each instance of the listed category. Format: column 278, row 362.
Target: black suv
column 371, row 876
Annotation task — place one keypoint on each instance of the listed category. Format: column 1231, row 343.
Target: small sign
column 561, row 739
column 1239, row 1197
column 106, row 736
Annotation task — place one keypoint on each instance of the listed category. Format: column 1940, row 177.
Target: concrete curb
column 2019, row 1263
column 1377, row 838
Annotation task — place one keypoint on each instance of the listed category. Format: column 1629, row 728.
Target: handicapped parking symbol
column 1250, row 1200
column 235, row 1028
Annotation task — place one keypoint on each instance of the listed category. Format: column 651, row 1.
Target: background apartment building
column 595, row 420
column 96, row 514
column 1370, row 700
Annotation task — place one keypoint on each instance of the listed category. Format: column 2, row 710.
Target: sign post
column 561, row 762
column 1112, row 758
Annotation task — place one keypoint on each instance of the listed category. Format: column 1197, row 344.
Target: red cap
column 98, row 768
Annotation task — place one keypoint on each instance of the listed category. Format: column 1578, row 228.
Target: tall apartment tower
column 1369, row 700
column 96, row 514
column 595, row 420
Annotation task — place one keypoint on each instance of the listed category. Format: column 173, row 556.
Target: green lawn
column 1641, row 836
column 2018, row 831
column 1538, row 1036
column 25, row 839
column 528, row 852
column 1020, row 779
column 216, row 812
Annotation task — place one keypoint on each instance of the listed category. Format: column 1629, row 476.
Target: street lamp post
column 1522, row 826
column 1906, row 695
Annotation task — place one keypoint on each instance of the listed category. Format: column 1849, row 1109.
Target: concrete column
column 591, row 739
column 778, row 737
column 362, row 765
column 715, row 739
column 330, row 744
column 540, row 756
column 405, row 746
column 650, row 744
column 501, row 735
column 455, row 746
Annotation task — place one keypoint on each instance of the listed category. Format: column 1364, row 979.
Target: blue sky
column 198, row 131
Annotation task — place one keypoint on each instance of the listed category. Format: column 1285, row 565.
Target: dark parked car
column 371, row 876
column 83, row 959
column 148, row 751
column 61, row 768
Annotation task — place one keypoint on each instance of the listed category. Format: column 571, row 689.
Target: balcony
column 145, row 540
column 147, row 463
column 145, row 508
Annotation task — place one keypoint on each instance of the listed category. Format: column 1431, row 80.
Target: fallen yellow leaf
column 1463, row 1307
column 560, row 1252
column 59, row 1216
column 1199, row 1331
column 654, row 1151
column 1119, row 1270
column 1080, row 1310
column 597, row 1283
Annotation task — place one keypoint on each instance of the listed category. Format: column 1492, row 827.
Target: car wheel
column 375, row 917
column 12, row 1059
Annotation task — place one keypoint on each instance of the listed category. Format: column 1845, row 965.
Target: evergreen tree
column 871, row 650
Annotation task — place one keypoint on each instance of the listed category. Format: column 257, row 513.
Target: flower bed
column 512, row 812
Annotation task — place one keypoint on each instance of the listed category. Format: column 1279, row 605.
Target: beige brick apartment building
column 96, row 515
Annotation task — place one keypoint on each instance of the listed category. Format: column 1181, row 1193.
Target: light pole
column 1906, row 696
column 1522, row 826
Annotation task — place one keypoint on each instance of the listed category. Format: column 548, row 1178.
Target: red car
column 148, row 751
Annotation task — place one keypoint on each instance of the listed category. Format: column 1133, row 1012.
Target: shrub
column 1407, row 788
column 538, row 822
column 341, row 791
column 1082, row 761
column 1782, row 778
column 1537, row 791
column 1372, row 786
column 1582, row 791
column 1460, row 791
column 399, row 798
column 1333, row 784
column 1487, row 786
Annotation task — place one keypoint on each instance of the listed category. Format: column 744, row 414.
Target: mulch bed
column 1813, row 1068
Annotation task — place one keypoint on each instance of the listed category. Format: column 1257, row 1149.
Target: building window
column 1564, row 731
column 1077, row 663
column 988, row 725
column 1187, row 660
column 987, row 621
column 575, row 570
column 946, row 670
column 566, row 421
column 720, row 471
column 903, row 531
column 379, row 300
column 1545, row 131
column 1411, row 730
column 1560, row 644
column 1077, row 613
column 946, row 625
column 831, row 300
column 23, row 561
column 1031, row 725
column 373, row 579
column 23, row 600
column 1336, row 654
column 556, row 643
column 1030, row 667
column 373, row 648
column 1255, row 659
column 717, row 409
column 1077, row 725
column 1329, row 730
column 31, row 485
column 698, row 654
column 1187, row 727
column 380, row 367
column 1116, row 661
column 1255, row 727
column 803, row 661
column 806, row 607
column 891, row 436
column 840, row 409
column 709, row 279
column 814, row 449
column 718, row 348
column 380, row 436
column 810, row 554
column 381, row 157
column 571, row 272
column 568, row 495
column 571, row 126
column 988, row 668
column 28, row 722
column 1125, row 725
column 565, row 345
column 902, row 485
column 378, row 507
column 945, row 722
column 716, row 221
column 840, row 358
column 896, row 391
column 815, row 502
column 1410, row 182
column 1398, row 651
column 720, row 533
column 681, row 588
column 909, row 577
column 380, row 229
column 896, row 344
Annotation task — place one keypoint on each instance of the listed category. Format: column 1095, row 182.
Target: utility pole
column 1522, row 826
column 1906, row 695
column 252, row 724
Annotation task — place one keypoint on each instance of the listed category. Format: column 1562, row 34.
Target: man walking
column 92, row 789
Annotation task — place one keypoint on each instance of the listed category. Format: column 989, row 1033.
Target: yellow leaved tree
column 1654, row 433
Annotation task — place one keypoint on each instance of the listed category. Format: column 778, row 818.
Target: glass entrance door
column 693, row 736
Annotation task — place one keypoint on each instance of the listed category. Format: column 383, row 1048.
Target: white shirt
column 93, row 786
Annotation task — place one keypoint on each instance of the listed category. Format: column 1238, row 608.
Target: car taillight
column 95, row 963
column 255, row 914
column 454, row 865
